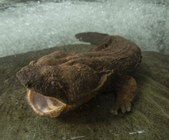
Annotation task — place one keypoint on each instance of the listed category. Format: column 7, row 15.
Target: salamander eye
column 28, row 85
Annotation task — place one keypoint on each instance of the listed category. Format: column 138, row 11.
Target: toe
column 115, row 112
column 123, row 109
column 128, row 107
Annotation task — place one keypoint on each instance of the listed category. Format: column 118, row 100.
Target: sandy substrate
column 149, row 118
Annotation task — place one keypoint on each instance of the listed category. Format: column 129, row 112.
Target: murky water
column 34, row 25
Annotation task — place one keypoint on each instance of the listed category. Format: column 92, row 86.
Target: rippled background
column 27, row 25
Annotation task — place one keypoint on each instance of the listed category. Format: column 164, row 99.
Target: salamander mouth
column 44, row 105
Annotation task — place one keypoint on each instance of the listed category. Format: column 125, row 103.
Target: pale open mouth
column 44, row 105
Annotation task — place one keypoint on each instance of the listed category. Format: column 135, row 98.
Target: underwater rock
column 93, row 120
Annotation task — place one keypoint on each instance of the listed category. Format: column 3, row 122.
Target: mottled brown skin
column 75, row 78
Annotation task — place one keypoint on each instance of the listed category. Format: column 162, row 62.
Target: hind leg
column 125, row 93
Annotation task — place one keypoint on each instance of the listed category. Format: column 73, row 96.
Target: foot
column 125, row 93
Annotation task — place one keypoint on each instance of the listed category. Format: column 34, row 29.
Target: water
column 34, row 25
column 27, row 25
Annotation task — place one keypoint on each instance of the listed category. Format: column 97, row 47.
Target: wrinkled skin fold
column 60, row 81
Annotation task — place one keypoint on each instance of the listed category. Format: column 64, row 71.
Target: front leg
column 125, row 92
